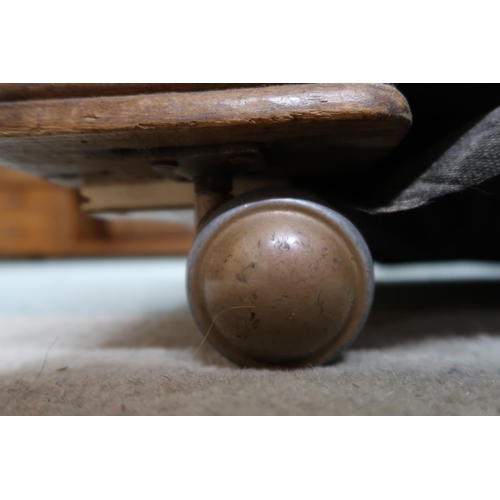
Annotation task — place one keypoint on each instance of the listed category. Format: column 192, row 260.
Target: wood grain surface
column 25, row 91
column 303, row 128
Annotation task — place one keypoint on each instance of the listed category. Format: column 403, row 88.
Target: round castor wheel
column 275, row 278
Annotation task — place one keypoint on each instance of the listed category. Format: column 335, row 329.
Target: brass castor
column 276, row 278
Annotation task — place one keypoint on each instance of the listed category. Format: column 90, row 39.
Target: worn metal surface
column 276, row 278
column 211, row 192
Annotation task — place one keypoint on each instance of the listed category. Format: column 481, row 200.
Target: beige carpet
column 418, row 355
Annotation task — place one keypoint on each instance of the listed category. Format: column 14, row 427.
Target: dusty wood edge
column 272, row 105
column 35, row 91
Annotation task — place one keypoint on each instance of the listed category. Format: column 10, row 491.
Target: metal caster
column 275, row 278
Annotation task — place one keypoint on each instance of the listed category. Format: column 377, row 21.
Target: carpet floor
column 115, row 337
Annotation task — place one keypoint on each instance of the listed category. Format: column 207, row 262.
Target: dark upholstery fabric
column 467, row 160
column 437, row 196
column 458, row 226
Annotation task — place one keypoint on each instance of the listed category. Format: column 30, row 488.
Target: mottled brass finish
column 210, row 192
column 275, row 278
column 205, row 202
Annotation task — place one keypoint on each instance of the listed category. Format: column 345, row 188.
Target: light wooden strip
column 147, row 195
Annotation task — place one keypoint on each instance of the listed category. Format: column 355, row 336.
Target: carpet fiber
column 115, row 338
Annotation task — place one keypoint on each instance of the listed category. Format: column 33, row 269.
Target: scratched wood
column 306, row 128
column 25, row 91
